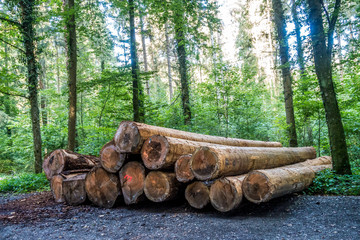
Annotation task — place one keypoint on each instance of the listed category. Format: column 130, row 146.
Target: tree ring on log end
column 54, row 163
column 110, row 158
column 224, row 196
column 257, row 187
column 197, row 195
column 183, row 170
column 154, row 152
column 132, row 178
column 204, row 163
column 157, row 187
column 127, row 137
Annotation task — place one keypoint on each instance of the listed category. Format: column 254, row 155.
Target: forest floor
column 37, row 216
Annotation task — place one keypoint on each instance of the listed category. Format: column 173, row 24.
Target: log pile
column 161, row 164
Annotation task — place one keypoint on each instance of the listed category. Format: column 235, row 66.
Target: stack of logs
column 148, row 162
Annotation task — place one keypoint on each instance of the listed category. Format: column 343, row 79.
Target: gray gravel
column 290, row 217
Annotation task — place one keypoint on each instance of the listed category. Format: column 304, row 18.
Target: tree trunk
column 103, row 188
column 161, row 186
column 42, row 86
column 71, row 49
column 74, row 189
column 62, row 160
column 143, row 42
column 168, row 60
column 280, row 24
column 264, row 185
column 197, row 194
column 182, row 169
column 137, row 88
column 27, row 25
column 6, row 97
column 112, row 160
column 132, row 179
column 209, row 162
column 130, row 137
column 323, row 68
column 181, row 52
column 299, row 47
column 226, row 193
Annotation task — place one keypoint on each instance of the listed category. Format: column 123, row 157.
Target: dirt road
column 291, row 217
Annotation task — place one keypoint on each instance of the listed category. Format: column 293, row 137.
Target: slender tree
column 143, row 43
column 138, row 106
column 322, row 57
column 71, row 70
column 167, row 43
column 280, row 25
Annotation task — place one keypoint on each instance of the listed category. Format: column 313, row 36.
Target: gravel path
column 290, row 217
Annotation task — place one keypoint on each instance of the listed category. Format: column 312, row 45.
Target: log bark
column 264, row 185
column 63, row 160
column 102, row 187
column 161, row 186
column 226, row 193
column 130, row 137
column 112, row 160
column 132, row 178
column 182, row 169
column 197, row 194
column 74, row 189
column 210, row 163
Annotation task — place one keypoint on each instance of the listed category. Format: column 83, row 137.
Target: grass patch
column 24, row 183
column 327, row 182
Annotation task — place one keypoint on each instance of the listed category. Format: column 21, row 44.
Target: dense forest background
column 71, row 71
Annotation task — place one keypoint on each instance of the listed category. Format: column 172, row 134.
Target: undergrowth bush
column 329, row 183
column 24, row 183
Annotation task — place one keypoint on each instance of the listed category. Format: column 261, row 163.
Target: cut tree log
column 130, row 137
column 74, row 189
column 182, row 169
column 210, row 163
column 159, row 152
column 62, row 160
column 132, row 179
column 161, row 186
column 226, row 193
column 112, row 160
column 56, row 188
column 102, row 188
column 264, row 185
column 197, row 194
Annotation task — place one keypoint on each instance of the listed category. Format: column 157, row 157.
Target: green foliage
column 329, row 183
column 24, row 183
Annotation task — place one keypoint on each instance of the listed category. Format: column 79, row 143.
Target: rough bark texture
column 112, row 160
column 137, row 88
column 210, row 163
column 323, row 68
column 27, row 29
column 74, row 189
column 280, row 25
column 71, row 70
column 264, row 185
column 182, row 169
column 130, row 137
column 132, row 179
column 56, row 188
column 102, row 188
column 62, row 160
column 197, row 194
column 161, row 186
column 226, row 194
column 181, row 52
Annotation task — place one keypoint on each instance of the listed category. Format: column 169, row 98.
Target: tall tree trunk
column 7, row 97
column 57, row 67
column 143, row 43
column 137, row 88
column 181, row 52
column 27, row 26
column 323, row 68
column 168, row 59
column 71, row 69
column 280, row 25
column 42, row 86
